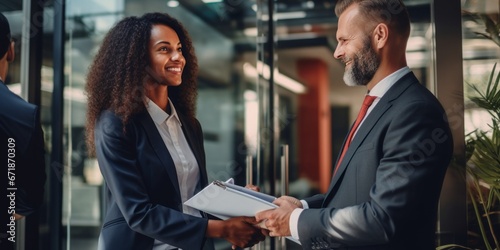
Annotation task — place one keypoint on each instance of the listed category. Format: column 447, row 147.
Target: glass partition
column 86, row 24
column 271, row 100
column 219, row 30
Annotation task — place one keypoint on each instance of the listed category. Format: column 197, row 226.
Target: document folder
column 225, row 200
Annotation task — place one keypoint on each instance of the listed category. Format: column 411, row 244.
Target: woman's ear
column 11, row 54
column 380, row 35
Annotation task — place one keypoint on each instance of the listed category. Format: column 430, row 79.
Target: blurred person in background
column 22, row 154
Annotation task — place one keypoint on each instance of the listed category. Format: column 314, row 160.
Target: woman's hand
column 252, row 187
column 243, row 232
column 239, row 231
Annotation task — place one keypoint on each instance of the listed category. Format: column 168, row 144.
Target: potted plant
column 483, row 165
column 482, row 153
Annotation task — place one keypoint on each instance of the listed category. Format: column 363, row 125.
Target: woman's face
column 165, row 53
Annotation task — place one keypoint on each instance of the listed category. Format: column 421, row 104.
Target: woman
column 140, row 123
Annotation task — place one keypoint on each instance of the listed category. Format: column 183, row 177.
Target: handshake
column 248, row 216
column 276, row 221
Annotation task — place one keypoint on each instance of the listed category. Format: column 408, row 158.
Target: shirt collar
column 385, row 84
column 158, row 115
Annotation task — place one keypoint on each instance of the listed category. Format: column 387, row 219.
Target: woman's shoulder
column 108, row 119
column 108, row 116
column 111, row 115
column 191, row 121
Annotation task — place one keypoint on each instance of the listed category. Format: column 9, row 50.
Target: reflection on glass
column 86, row 24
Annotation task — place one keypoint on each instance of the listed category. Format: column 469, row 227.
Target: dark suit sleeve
column 117, row 156
column 31, row 174
column 315, row 201
column 414, row 151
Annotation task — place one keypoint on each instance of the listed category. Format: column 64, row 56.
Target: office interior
column 272, row 102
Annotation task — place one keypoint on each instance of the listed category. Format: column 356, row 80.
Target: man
column 22, row 150
column 386, row 185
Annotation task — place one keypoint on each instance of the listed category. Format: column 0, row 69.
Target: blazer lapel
column 190, row 133
column 160, row 148
column 371, row 120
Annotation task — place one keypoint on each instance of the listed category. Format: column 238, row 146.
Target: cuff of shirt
column 304, row 204
column 294, row 222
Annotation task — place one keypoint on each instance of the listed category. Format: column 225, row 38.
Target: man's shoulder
column 18, row 118
column 410, row 89
column 14, row 105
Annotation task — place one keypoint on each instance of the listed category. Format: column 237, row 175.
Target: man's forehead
column 350, row 21
column 351, row 15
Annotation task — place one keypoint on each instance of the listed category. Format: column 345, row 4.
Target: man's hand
column 277, row 220
column 291, row 199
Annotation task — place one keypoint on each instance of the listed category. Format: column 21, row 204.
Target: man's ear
column 380, row 35
column 11, row 54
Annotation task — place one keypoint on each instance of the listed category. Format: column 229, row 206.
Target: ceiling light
column 212, row 1
column 308, row 4
column 288, row 83
column 254, row 7
column 286, row 15
column 251, row 32
column 173, row 3
column 280, row 79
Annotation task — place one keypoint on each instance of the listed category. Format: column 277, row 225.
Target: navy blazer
column 22, row 148
column 143, row 198
column 386, row 191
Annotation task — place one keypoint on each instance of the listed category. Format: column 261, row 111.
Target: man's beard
column 364, row 64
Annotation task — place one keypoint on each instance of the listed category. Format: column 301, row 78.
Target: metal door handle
column 249, row 163
column 284, row 169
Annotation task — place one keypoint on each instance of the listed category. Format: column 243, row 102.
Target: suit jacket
column 22, row 151
column 386, row 191
column 143, row 198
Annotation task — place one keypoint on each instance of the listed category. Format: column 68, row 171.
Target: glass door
column 271, row 99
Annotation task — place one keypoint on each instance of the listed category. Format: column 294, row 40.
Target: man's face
column 364, row 64
column 354, row 48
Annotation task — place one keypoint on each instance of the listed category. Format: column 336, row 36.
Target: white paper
column 226, row 200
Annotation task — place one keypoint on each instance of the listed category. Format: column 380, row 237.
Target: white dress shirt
column 378, row 90
column 188, row 173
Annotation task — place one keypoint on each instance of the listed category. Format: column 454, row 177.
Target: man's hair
column 391, row 12
column 5, row 37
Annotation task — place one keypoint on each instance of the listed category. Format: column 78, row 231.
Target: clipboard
column 226, row 200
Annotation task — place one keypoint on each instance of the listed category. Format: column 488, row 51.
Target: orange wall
column 314, row 123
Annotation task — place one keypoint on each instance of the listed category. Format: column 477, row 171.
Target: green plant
column 482, row 153
column 484, row 163
column 483, row 168
column 491, row 25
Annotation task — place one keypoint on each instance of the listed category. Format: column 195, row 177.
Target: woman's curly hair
column 116, row 76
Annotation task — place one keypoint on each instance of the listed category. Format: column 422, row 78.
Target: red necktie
column 366, row 104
